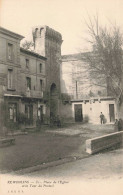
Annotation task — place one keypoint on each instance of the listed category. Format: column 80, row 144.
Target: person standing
column 120, row 127
column 101, row 118
column 116, row 125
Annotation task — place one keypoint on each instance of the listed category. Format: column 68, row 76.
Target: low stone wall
column 100, row 143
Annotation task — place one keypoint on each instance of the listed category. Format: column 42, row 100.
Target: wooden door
column 78, row 112
column 111, row 113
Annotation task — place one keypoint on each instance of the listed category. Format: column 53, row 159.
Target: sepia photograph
column 61, row 97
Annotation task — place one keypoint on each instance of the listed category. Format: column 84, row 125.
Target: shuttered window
column 10, row 78
column 28, row 82
column 10, row 51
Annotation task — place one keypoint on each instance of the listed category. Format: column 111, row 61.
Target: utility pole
column 76, row 91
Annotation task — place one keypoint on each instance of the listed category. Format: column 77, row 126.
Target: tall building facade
column 29, row 80
column 47, row 42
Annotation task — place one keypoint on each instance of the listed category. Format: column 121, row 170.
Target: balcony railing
column 34, row 93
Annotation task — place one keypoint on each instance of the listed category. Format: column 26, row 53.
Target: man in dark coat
column 116, row 125
column 120, row 125
column 102, row 118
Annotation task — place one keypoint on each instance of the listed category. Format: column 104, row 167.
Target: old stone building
column 88, row 97
column 38, row 85
column 9, row 74
column 47, row 42
column 29, row 81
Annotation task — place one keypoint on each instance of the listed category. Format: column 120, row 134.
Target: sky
column 65, row 16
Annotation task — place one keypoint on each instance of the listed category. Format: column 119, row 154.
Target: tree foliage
column 29, row 45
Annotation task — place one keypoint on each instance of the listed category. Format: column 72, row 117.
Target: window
column 40, row 113
column 41, row 85
column 12, row 112
column 28, row 82
column 40, row 67
column 41, row 30
column 10, row 51
column 10, row 78
column 99, row 92
column 27, row 63
column 36, row 31
column 29, row 113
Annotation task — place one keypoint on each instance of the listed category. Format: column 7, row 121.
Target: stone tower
column 47, row 42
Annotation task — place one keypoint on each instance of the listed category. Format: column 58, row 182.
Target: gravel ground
column 42, row 147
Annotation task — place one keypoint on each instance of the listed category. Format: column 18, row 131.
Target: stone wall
column 76, row 79
column 103, row 142
column 66, row 113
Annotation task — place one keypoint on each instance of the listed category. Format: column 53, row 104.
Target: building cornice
column 94, row 98
column 32, row 53
column 10, row 33
column 74, row 57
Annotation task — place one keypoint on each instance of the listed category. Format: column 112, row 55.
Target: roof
column 74, row 57
column 49, row 32
column 32, row 53
column 94, row 98
column 10, row 33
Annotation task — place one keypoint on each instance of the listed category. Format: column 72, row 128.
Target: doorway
column 111, row 113
column 12, row 112
column 78, row 112
column 29, row 113
column 40, row 113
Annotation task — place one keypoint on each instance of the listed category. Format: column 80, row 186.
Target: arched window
column 53, row 89
column 41, row 30
column 36, row 31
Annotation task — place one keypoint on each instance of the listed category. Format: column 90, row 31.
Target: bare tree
column 105, row 61
column 29, row 45
column 102, row 68
column 82, row 84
